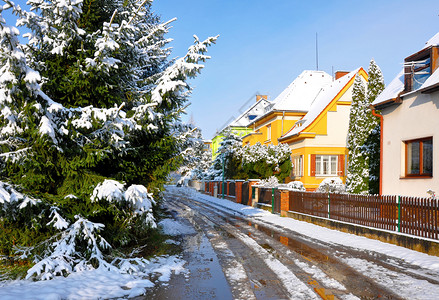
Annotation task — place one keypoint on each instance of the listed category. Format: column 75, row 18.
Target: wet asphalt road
column 233, row 258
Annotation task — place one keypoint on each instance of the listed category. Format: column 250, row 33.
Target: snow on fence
column 410, row 215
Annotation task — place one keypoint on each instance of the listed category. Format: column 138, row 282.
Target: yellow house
column 318, row 140
column 289, row 107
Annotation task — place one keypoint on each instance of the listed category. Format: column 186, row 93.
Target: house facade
column 318, row 140
column 287, row 108
column 409, row 109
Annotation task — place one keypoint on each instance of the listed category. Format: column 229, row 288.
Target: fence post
column 329, row 205
column 399, row 213
column 272, row 200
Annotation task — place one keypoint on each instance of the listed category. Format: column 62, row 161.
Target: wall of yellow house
column 276, row 123
column 309, row 181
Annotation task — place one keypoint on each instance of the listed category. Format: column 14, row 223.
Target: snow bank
column 92, row 284
column 174, row 228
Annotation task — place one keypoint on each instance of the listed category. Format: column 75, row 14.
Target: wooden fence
column 411, row 215
column 270, row 196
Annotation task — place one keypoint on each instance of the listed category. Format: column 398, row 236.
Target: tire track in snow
column 233, row 270
column 292, row 284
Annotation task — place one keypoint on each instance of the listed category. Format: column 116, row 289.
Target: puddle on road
column 205, row 279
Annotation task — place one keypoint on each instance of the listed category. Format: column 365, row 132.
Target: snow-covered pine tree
column 191, row 149
column 228, row 153
column 371, row 147
column 205, row 162
column 87, row 108
column 357, row 177
column 363, row 136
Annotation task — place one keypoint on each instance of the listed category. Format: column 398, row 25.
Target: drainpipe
column 283, row 117
column 381, row 147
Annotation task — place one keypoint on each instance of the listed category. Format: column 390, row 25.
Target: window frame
column 297, row 170
column 411, row 68
column 269, row 132
column 421, row 173
column 321, row 171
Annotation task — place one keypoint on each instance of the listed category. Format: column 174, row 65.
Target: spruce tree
column 357, row 179
column 363, row 135
column 87, row 114
column 371, row 147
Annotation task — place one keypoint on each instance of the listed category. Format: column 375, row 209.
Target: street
column 233, row 257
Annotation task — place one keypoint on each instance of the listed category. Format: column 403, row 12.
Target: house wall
column 416, row 117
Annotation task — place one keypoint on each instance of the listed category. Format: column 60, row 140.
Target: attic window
column 419, row 67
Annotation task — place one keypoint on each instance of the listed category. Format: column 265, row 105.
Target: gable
column 339, row 93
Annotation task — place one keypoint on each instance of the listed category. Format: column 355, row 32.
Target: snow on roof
column 434, row 41
column 432, row 80
column 299, row 95
column 321, row 102
column 397, row 84
column 257, row 109
column 392, row 90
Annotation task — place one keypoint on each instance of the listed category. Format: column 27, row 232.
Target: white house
column 409, row 107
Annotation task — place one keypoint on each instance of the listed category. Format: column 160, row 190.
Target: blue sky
column 264, row 45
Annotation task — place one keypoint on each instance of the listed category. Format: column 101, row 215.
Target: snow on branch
column 65, row 256
column 137, row 195
column 172, row 81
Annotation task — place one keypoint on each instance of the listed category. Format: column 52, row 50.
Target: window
column 419, row 157
column 298, row 166
column 327, row 165
column 268, row 132
column 418, row 67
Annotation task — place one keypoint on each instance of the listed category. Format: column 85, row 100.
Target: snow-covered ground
column 320, row 233
column 101, row 283
column 402, row 281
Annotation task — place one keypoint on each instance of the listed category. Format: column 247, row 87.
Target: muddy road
column 233, row 257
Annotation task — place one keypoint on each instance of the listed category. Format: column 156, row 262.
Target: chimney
column 260, row 97
column 340, row 74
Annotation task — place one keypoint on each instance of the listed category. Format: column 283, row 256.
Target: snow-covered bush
column 296, row 186
column 331, row 185
column 432, row 194
column 270, row 182
column 263, row 161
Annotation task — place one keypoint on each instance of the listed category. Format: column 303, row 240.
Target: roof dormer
column 419, row 67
